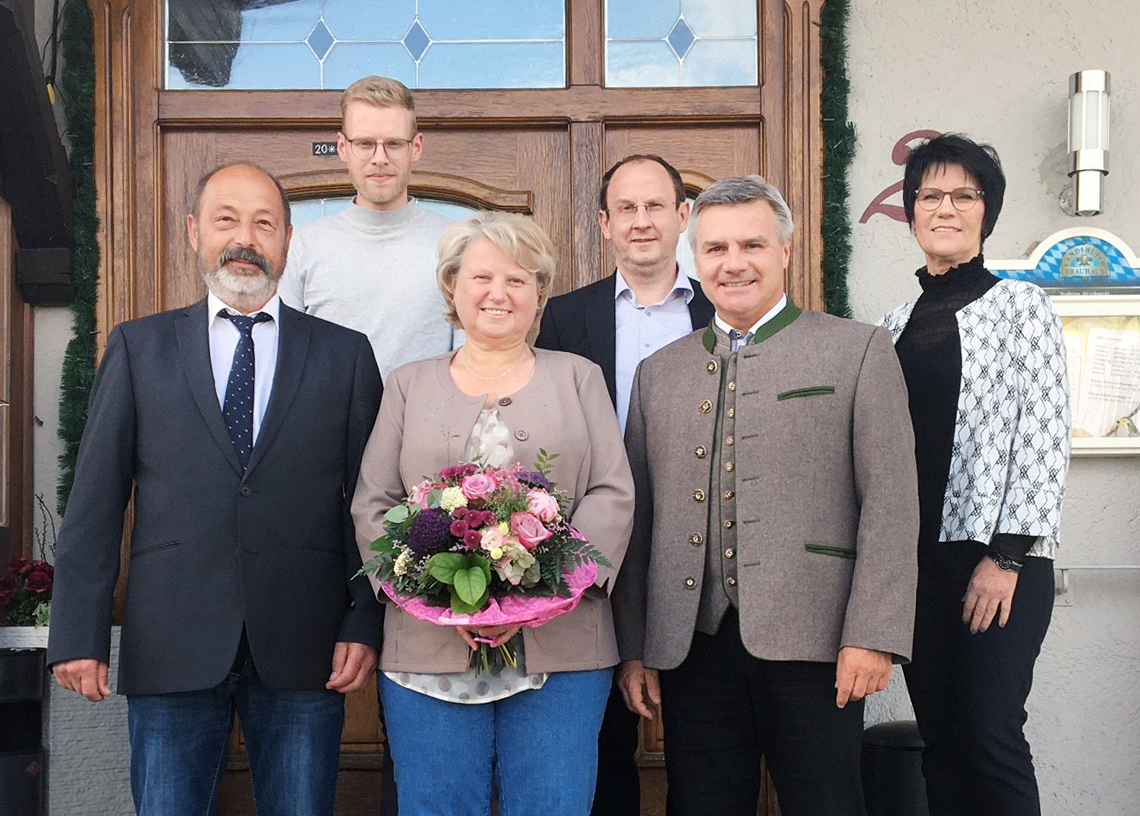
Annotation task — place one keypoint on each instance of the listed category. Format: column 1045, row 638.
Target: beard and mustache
column 221, row 279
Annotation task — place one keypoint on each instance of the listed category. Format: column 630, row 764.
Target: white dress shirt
column 739, row 339
column 223, row 343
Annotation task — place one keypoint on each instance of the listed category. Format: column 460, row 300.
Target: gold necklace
column 514, row 365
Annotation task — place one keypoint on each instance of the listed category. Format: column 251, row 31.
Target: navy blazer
column 215, row 549
column 583, row 322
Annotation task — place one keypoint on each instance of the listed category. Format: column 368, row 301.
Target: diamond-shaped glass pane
column 416, row 40
column 320, row 39
column 681, row 38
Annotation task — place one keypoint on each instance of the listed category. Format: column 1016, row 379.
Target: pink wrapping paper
column 531, row 610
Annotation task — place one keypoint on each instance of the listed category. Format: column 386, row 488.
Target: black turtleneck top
column 930, row 353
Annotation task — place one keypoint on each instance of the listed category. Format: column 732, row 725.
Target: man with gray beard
column 238, row 423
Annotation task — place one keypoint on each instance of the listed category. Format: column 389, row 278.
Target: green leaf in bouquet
column 433, row 497
column 471, row 585
column 461, row 607
column 443, row 566
column 398, row 514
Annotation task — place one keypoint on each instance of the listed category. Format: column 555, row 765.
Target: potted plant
column 25, row 590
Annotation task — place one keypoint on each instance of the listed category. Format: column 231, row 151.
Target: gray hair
column 742, row 190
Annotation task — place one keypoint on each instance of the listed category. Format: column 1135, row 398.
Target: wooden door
column 537, row 151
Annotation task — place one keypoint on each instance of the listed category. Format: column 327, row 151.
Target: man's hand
column 85, row 676
column 860, row 672
column 638, row 683
column 352, row 665
column 989, row 594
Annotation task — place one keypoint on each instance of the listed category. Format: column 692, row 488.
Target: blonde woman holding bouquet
column 498, row 401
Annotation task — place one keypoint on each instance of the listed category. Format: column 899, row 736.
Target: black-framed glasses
column 364, row 149
column 963, row 198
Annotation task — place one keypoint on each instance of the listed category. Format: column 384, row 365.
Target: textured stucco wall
column 999, row 72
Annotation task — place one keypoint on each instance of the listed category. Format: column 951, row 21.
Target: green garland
column 838, row 151
column 78, row 85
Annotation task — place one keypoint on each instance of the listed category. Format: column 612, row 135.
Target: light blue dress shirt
column 642, row 330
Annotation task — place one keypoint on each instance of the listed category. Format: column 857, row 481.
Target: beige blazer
column 826, row 495
column 423, row 427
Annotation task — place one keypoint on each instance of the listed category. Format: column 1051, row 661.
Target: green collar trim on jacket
column 785, row 318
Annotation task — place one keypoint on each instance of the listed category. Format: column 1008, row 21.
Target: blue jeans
column 542, row 745
column 179, row 746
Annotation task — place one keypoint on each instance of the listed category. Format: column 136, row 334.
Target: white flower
column 452, row 498
column 403, row 562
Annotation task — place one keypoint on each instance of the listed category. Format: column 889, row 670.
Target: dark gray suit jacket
column 583, row 322
column 214, row 549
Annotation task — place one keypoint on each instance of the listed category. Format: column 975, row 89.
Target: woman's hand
column 989, row 594
column 493, row 636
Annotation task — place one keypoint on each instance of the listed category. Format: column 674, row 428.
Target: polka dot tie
column 238, row 407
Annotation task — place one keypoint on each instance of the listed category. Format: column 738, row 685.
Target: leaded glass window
column 323, row 44
column 671, row 43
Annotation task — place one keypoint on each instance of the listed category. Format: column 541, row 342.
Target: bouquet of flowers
column 478, row 545
column 25, row 593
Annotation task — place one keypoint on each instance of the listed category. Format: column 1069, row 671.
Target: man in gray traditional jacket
column 770, row 580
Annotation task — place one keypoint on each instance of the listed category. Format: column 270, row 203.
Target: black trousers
column 969, row 691
column 724, row 709
column 618, row 791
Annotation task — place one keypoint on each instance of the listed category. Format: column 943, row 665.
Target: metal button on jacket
column 701, row 451
column 699, row 495
column 696, row 539
column 730, row 581
column 706, row 406
column 732, row 386
column 730, row 553
column 505, row 401
column 521, row 435
column 731, row 413
column 729, row 524
column 729, row 466
column 712, row 366
column 690, row 582
column 728, row 440
column 728, row 495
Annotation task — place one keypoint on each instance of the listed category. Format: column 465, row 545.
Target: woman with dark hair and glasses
column 985, row 370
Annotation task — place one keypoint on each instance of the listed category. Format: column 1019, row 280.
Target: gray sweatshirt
column 373, row 271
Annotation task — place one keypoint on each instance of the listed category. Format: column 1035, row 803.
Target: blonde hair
column 520, row 239
column 379, row 92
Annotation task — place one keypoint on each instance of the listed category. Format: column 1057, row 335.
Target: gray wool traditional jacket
column 826, row 492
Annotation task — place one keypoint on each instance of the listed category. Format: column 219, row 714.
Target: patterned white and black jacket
column 1011, row 433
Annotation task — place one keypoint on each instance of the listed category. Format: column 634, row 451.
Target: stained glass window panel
column 672, row 43
column 327, row 44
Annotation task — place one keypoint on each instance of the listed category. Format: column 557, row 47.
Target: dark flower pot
column 21, row 730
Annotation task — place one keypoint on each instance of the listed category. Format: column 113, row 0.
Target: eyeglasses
column 627, row 210
column 365, row 149
column 963, row 198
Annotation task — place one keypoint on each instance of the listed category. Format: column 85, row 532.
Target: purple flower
column 430, row 531
column 459, row 528
column 8, row 590
column 535, row 478
column 472, row 539
column 456, row 473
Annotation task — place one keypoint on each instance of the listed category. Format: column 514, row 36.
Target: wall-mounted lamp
column 1088, row 139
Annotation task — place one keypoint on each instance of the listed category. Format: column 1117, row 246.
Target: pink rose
column 529, row 529
column 542, row 505
column 479, row 486
column 420, row 494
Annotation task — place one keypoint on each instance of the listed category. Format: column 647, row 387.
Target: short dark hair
column 202, row 182
column 980, row 161
column 674, row 176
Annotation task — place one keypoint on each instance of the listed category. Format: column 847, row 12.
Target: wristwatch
column 1004, row 562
